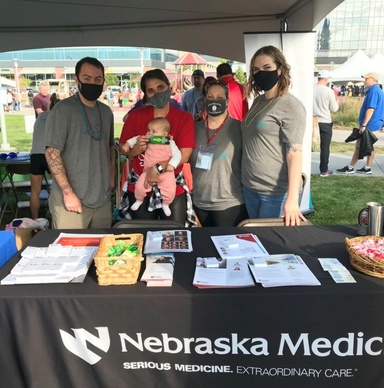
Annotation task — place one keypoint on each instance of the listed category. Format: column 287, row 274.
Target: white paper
column 159, row 270
column 239, row 245
column 282, row 270
column 226, row 273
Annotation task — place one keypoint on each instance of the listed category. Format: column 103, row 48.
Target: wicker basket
column 119, row 270
column 365, row 264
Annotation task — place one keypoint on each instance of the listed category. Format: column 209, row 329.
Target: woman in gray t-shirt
column 272, row 133
column 216, row 162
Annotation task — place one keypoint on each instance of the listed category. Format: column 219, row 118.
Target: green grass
column 20, row 140
column 338, row 200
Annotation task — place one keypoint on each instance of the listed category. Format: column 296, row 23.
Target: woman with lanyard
column 157, row 94
column 216, row 161
column 273, row 132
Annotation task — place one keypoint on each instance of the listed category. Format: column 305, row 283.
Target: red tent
column 190, row 59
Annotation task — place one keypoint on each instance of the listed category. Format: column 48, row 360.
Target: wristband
column 363, row 126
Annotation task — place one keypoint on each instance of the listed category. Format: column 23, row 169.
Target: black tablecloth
column 86, row 335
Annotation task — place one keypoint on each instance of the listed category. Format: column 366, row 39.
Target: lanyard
column 209, row 139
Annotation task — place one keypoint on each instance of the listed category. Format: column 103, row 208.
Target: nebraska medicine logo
column 77, row 343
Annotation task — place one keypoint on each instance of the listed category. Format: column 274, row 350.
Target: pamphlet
column 239, row 245
column 159, row 270
column 338, row 272
column 168, row 241
column 282, row 270
column 212, row 272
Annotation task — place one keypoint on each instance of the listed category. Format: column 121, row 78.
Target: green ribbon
column 120, row 248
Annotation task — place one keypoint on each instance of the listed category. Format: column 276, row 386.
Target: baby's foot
column 136, row 205
column 166, row 210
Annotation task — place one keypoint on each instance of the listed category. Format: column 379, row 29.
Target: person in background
column 324, row 103
column 238, row 102
column 42, row 99
column 371, row 117
column 157, row 93
column 273, row 132
column 110, row 97
column 120, row 98
column 200, row 112
column 80, row 153
column 190, row 96
column 216, row 163
column 30, row 98
column 39, row 165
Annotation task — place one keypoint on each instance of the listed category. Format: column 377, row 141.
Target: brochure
column 159, row 270
column 282, row 270
column 239, row 245
column 212, row 272
column 168, row 241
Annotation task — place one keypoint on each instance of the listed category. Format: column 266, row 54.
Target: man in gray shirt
column 192, row 95
column 324, row 103
column 80, row 154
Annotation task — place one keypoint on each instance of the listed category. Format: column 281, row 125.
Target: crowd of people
column 202, row 153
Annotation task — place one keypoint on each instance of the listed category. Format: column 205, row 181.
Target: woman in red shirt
column 157, row 91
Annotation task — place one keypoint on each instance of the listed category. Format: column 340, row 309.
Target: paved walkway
column 339, row 160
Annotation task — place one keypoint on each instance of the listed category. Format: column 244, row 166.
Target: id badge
column 204, row 158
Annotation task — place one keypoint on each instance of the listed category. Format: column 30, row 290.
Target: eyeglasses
column 11, row 155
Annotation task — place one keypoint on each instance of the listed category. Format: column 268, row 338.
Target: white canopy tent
column 203, row 26
column 7, row 82
column 353, row 69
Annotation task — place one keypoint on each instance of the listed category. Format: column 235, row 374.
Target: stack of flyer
column 282, row 270
column 159, row 270
column 168, row 241
column 212, row 272
column 66, row 260
column 53, row 264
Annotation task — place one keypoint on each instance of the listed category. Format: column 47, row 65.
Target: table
column 85, row 335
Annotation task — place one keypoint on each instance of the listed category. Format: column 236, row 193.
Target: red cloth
column 238, row 103
column 182, row 132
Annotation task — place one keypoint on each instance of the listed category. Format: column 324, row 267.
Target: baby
column 160, row 148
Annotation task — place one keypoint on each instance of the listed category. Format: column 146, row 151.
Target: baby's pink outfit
column 157, row 153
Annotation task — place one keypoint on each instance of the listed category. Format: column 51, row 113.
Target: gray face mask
column 160, row 99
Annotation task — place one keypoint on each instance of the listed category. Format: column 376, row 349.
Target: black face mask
column 215, row 107
column 266, row 80
column 90, row 92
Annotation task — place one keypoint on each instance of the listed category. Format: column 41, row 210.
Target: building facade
column 353, row 25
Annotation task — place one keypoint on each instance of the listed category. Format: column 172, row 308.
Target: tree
column 24, row 83
column 240, row 76
column 112, row 79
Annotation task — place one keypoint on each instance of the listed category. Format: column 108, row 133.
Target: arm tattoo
column 293, row 147
column 56, row 166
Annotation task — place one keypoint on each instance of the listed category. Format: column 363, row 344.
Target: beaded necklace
column 98, row 132
column 247, row 124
